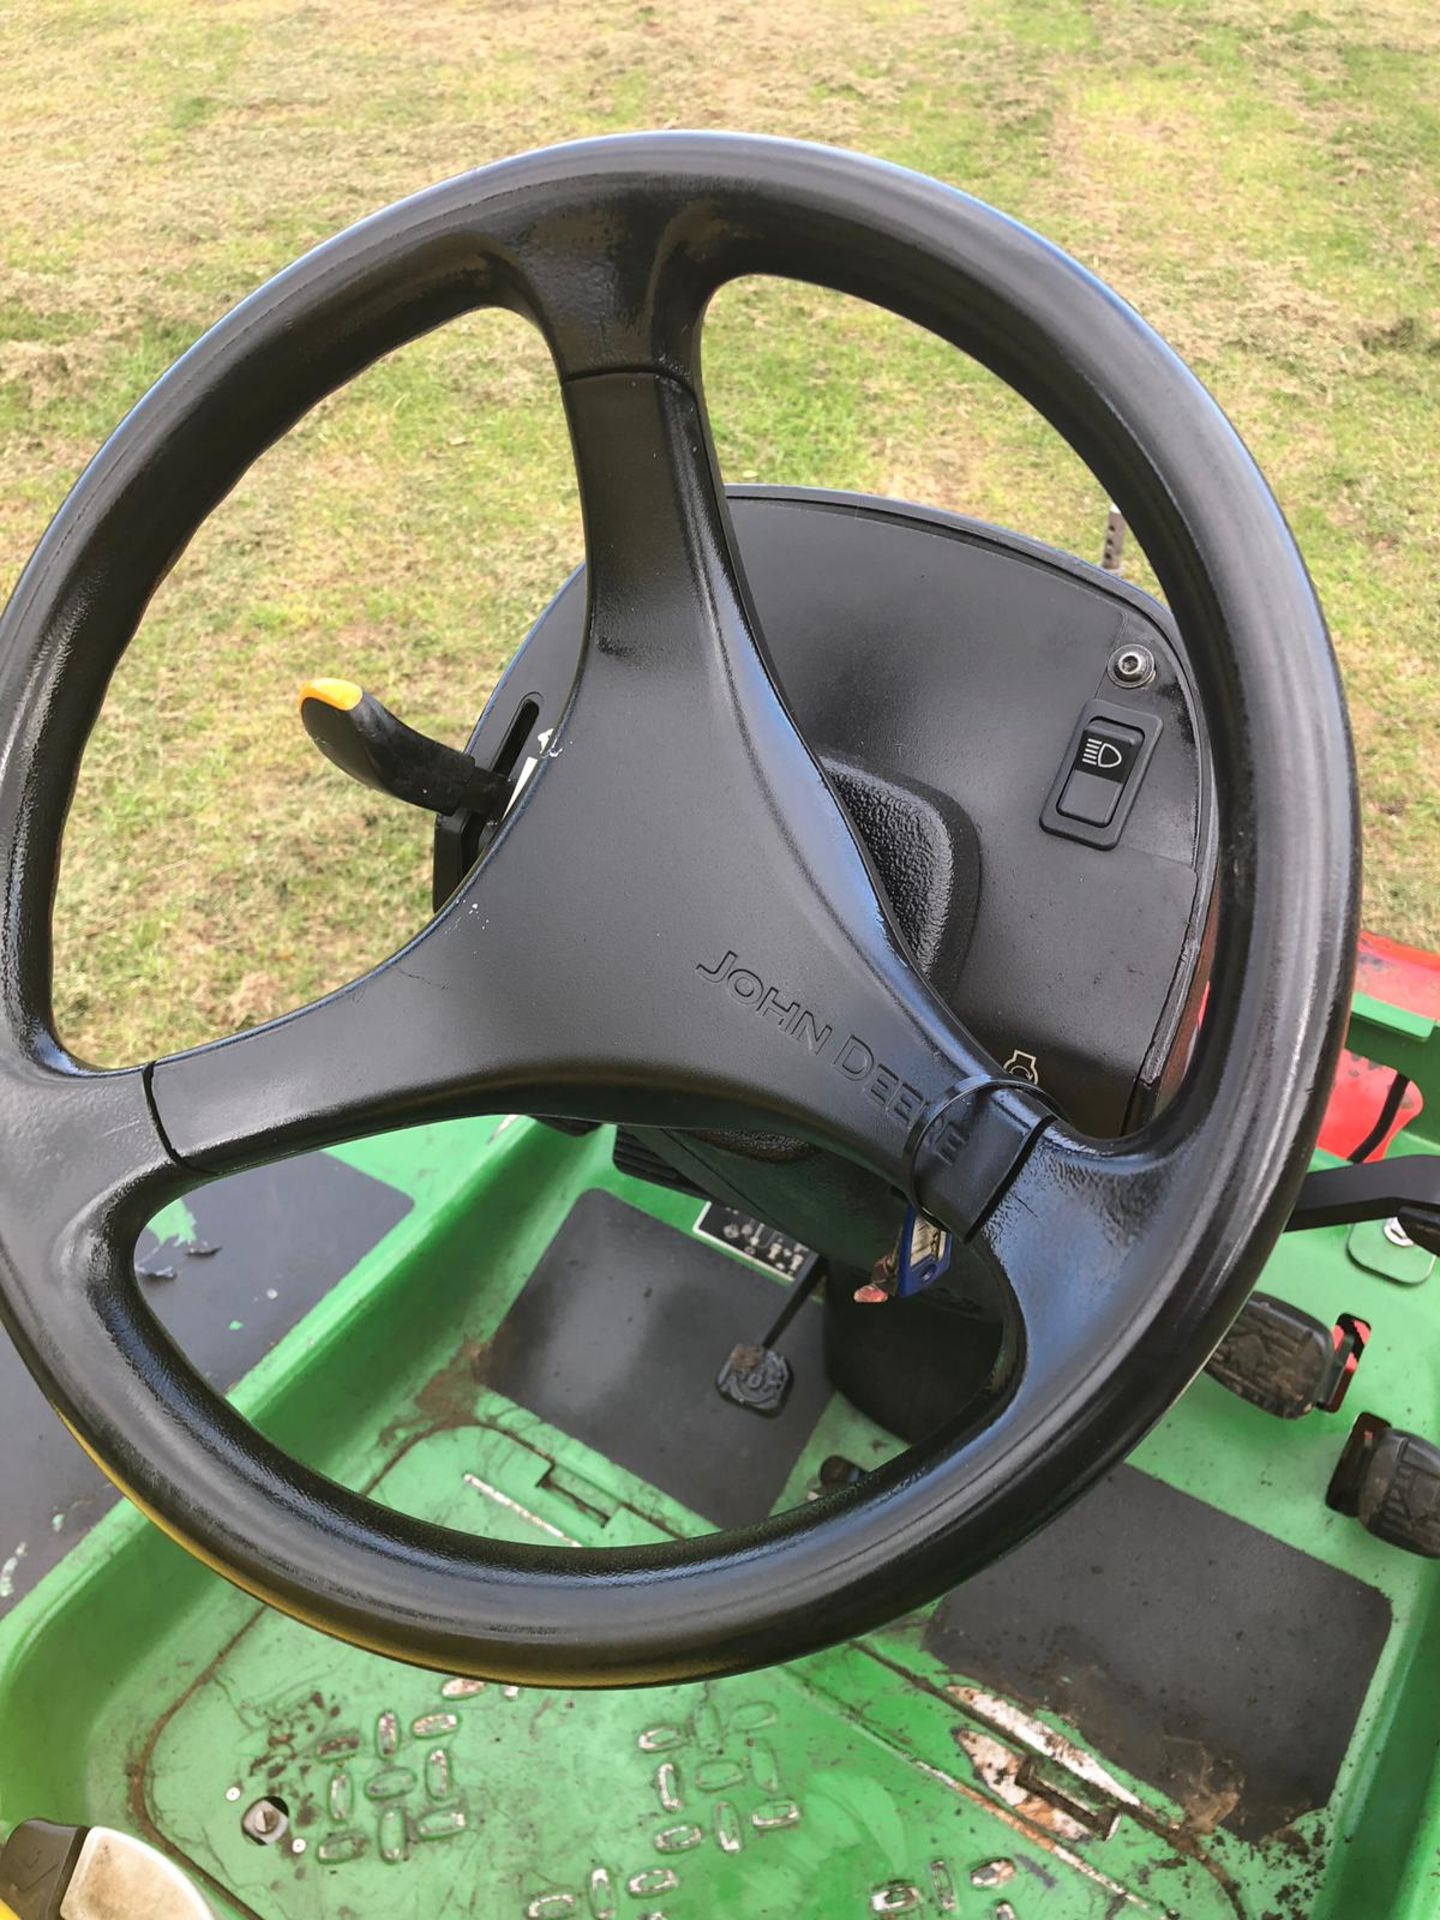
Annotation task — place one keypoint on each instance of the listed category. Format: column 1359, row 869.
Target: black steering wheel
column 572, row 971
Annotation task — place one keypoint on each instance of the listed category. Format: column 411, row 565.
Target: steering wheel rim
column 613, row 248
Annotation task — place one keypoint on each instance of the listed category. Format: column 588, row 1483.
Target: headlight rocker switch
column 1092, row 794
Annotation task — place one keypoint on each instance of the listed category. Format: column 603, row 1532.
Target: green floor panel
column 748, row 1799
column 740, row 1798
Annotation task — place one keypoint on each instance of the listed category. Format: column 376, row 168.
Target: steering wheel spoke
column 666, row 588
column 94, row 1163
column 1063, row 1237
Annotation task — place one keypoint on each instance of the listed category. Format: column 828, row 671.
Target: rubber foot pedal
column 1389, row 1480
column 756, row 1378
column 1276, row 1358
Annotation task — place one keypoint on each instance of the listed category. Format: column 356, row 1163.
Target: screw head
column 265, row 1822
column 1132, row 665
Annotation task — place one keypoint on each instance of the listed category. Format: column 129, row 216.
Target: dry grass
column 1260, row 178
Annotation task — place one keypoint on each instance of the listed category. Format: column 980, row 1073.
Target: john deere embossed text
column 850, row 1056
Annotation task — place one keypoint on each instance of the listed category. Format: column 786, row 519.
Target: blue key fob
column 924, row 1251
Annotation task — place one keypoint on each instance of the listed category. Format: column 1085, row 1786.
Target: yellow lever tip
column 343, row 694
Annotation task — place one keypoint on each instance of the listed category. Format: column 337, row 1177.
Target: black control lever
column 1405, row 1188
column 364, row 739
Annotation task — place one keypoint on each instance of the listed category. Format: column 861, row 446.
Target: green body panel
column 139, row 1690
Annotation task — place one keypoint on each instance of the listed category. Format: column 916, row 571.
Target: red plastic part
column 1405, row 977
column 1350, row 1338
column 1355, row 1102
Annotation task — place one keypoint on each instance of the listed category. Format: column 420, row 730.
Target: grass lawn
column 1260, row 177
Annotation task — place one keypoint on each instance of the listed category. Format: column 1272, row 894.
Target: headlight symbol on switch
column 1101, row 766
column 1103, row 755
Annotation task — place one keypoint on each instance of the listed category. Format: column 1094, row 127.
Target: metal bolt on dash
column 1132, row 666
